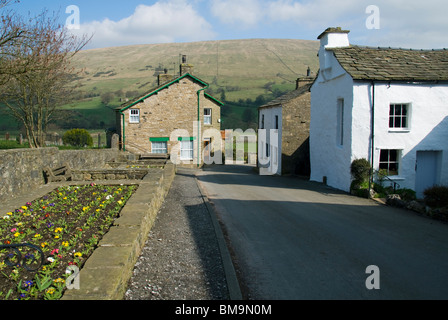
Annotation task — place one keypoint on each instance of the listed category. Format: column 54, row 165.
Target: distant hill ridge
column 242, row 73
column 245, row 64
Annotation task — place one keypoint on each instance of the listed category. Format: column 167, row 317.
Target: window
column 276, row 122
column 186, row 150
column 208, row 116
column 399, row 116
column 262, row 121
column 135, row 116
column 340, row 123
column 389, row 161
column 159, row 147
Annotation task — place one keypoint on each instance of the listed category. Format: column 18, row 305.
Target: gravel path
column 181, row 259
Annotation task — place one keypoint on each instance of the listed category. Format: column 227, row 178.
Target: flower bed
column 66, row 225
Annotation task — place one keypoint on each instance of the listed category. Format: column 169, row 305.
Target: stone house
column 284, row 149
column 389, row 106
column 177, row 119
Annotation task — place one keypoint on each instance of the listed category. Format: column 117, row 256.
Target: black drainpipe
column 372, row 134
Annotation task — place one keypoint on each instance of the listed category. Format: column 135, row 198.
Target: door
column 427, row 170
column 207, row 149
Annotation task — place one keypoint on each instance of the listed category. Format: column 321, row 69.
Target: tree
column 107, row 98
column 38, row 73
column 78, row 138
column 247, row 115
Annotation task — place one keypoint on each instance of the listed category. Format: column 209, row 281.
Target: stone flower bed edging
column 106, row 273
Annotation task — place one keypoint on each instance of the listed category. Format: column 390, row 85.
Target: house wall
column 270, row 163
column 295, row 135
column 170, row 113
column 428, row 127
column 330, row 162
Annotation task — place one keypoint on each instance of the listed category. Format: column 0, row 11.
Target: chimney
column 164, row 77
column 334, row 38
column 304, row 80
column 331, row 38
column 185, row 67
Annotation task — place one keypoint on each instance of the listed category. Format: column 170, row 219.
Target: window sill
column 393, row 130
column 394, row 178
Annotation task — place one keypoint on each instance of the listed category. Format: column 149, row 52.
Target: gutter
column 123, row 137
column 199, row 121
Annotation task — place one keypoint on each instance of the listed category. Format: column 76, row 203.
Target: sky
column 386, row 23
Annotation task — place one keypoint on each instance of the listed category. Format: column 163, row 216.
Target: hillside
column 239, row 71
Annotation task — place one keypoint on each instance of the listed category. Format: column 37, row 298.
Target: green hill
column 244, row 73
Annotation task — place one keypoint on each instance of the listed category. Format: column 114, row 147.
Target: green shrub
column 78, row 138
column 406, row 194
column 436, row 196
column 360, row 170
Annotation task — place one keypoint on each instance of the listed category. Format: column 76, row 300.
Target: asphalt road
column 295, row 239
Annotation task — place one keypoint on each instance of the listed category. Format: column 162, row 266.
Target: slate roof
column 389, row 64
column 288, row 96
column 135, row 101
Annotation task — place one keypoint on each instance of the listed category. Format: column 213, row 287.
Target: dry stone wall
column 21, row 170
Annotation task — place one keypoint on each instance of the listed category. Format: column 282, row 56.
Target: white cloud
column 162, row 22
column 245, row 13
column 405, row 23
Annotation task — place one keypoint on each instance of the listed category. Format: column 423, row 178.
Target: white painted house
column 389, row 106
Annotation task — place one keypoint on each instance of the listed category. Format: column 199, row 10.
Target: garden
column 65, row 226
column 434, row 204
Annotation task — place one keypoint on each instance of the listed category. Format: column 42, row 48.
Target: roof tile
column 367, row 63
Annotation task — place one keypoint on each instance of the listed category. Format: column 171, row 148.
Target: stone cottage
column 288, row 119
column 389, row 106
column 177, row 119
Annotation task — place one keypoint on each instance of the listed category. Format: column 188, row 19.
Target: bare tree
column 39, row 72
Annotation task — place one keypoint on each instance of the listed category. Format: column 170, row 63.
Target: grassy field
column 243, row 69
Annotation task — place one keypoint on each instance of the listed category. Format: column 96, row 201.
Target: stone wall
column 21, row 170
column 296, row 133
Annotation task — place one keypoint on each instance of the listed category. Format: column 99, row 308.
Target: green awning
column 159, row 139
column 187, row 138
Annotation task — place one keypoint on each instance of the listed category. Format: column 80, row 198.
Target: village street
column 295, row 239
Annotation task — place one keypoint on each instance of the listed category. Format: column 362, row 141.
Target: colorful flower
column 50, row 291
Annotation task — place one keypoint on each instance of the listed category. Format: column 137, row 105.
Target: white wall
column 273, row 139
column 428, row 127
column 328, row 158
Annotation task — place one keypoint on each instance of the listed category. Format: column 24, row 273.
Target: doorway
column 428, row 169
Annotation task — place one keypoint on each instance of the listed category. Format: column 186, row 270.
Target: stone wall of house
column 170, row 110
column 21, row 170
column 295, row 135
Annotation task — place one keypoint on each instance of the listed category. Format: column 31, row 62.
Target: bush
column 436, row 196
column 78, row 138
column 360, row 170
column 406, row 194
